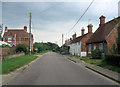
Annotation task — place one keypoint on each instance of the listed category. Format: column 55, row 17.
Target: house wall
column 111, row 39
column 75, row 49
column 92, row 48
column 21, row 40
column 80, row 49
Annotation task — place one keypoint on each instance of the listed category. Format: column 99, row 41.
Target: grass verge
column 97, row 62
column 16, row 62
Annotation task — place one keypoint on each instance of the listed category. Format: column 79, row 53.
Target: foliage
column 46, row 46
column 112, row 59
column 16, row 62
column 5, row 45
column 118, row 43
column 21, row 47
column 99, row 62
column 96, row 54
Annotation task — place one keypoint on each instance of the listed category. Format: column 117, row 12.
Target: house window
column 101, row 46
column 78, row 43
column 9, row 39
column 94, row 46
column 89, row 48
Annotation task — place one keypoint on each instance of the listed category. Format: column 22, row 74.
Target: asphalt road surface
column 55, row 69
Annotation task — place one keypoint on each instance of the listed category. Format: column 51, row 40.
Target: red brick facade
column 17, row 36
column 105, row 36
column 83, row 42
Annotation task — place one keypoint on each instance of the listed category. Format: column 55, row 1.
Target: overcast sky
column 52, row 19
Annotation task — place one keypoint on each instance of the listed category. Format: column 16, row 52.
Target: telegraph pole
column 62, row 39
column 30, row 35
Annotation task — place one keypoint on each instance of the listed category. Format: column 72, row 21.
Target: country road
column 55, row 69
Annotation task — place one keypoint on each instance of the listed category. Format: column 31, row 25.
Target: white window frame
column 94, row 46
column 101, row 46
column 9, row 39
column 89, row 48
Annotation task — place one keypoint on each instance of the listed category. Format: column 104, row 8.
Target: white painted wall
column 75, row 49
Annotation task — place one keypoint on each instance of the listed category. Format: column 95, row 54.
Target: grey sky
column 51, row 19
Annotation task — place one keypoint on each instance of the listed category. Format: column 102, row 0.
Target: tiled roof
column 78, row 38
column 18, row 32
column 103, row 31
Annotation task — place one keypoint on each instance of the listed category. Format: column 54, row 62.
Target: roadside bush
column 5, row 45
column 96, row 54
column 112, row 59
column 21, row 47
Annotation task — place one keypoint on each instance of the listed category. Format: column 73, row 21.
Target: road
column 55, row 69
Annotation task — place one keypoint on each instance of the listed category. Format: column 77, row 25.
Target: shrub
column 96, row 54
column 112, row 59
column 5, row 45
column 21, row 47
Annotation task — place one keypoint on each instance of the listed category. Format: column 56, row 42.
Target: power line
column 80, row 17
column 51, row 7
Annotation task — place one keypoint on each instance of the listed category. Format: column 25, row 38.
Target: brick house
column 104, row 37
column 17, row 36
column 78, row 44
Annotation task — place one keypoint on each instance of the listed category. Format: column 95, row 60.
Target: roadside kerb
column 8, row 77
column 105, row 72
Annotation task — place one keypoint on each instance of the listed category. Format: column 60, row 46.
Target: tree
column 21, row 48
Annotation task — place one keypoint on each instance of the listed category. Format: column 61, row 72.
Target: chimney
column 102, row 20
column 25, row 28
column 74, row 36
column 90, row 28
column 5, row 29
column 82, row 31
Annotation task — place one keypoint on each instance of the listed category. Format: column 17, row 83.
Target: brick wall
column 26, row 42
column 83, row 42
column 111, row 39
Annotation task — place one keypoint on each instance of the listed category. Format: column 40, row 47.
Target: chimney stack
column 25, row 28
column 102, row 20
column 90, row 28
column 5, row 29
column 82, row 31
column 74, row 36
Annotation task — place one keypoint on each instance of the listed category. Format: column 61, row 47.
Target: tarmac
column 105, row 72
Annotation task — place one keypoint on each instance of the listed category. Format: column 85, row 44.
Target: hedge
column 96, row 54
column 112, row 59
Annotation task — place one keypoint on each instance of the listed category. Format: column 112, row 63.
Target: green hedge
column 96, row 54
column 112, row 59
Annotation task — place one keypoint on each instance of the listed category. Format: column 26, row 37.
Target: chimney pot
column 5, row 29
column 74, row 35
column 25, row 28
column 90, row 28
column 102, row 20
column 82, row 31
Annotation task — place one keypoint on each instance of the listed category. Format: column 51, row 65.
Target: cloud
column 52, row 19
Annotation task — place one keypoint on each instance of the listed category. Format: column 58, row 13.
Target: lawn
column 16, row 62
column 97, row 62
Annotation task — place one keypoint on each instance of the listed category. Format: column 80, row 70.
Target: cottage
column 17, row 36
column 104, row 37
column 78, row 44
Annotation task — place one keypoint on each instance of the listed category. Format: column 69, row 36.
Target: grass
column 97, row 62
column 13, row 63
column 16, row 62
